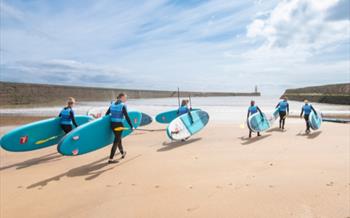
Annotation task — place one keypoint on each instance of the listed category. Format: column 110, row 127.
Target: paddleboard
column 182, row 127
column 37, row 135
column 315, row 120
column 258, row 123
column 145, row 119
column 94, row 135
column 168, row 116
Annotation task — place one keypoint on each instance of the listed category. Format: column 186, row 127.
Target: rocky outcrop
column 332, row 94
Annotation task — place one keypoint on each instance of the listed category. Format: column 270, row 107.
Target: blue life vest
column 253, row 109
column 283, row 106
column 183, row 110
column 307, row 109
column 65, row 116
column 117, row 112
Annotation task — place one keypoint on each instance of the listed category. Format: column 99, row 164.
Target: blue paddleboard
column 94, row 135
column 146, row 119
column 183, row 127
column 168, row 116
column 258, row 123
column 37, row 135
column 315, row 120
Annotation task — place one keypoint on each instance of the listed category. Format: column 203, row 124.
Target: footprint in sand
column 156, row 186
column 330, row 183
column 20, row 186
column 191, row 187
column 133, row 184
column 192, row 209
column 109, row 186
column 219, row 187
column 120, row 183
column 271, row 186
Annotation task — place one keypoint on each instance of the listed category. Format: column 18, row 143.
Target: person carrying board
column 252, row 110
column 283, row 110
column 306, row 110
column 118, row 112
column 67, row 116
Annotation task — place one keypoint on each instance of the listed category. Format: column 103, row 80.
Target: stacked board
column 258, row 122
column 187, row 125
column 315, row 120
column 95, row 135
column 168, row 116
column 37, row 135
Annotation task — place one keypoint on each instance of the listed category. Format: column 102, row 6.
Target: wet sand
column 217, row 173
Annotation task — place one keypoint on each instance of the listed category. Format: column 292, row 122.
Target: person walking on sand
column 252, row 110
column 67, row 116
column 118, row 112
column 306, row 110
column 283, row 110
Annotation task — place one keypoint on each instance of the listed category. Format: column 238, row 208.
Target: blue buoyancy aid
column 66, row 116
column 183, row 110
column 307, row 109
column 117, row 112
column 253, row 109
column 283, row 106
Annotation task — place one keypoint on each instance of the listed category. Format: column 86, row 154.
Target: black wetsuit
column 118, row 134
column 283, row 110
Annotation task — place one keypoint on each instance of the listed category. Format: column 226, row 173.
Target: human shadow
column 172, row 145
column 247, row 141
column 310, row 135
column 90, row 171
column 34, row 161
column 276, row 129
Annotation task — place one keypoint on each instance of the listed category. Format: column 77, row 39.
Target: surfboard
column 94, row 135
column 183, row 127
column 37, row 135
column 146, row 119
column 258, row 123
column 315, row 120
column 168, row 116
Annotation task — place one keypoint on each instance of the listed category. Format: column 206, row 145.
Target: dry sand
column 217, row 173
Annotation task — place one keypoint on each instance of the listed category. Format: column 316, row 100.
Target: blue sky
column 160, row 44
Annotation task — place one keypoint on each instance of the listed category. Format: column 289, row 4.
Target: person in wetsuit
column 67, row 116
column 283, row 110
column 183, row 109
column 252, row 110
column 118, row 112
column 306, row 110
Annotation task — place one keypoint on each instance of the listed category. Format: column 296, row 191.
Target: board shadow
column 247, row 141
column 89, row 171
column 34, row 161
column 172, row 145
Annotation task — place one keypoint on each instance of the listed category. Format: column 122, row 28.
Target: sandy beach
column 217, row 173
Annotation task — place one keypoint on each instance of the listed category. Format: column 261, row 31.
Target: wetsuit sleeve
column 108, row 111
column 59, row 115
column 302, row 111
column 277, row 105
column 73, row 119
column 312, row 108
column 125, row 112
column 248, row 113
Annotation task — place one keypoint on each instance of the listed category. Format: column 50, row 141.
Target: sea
column 221, row 109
